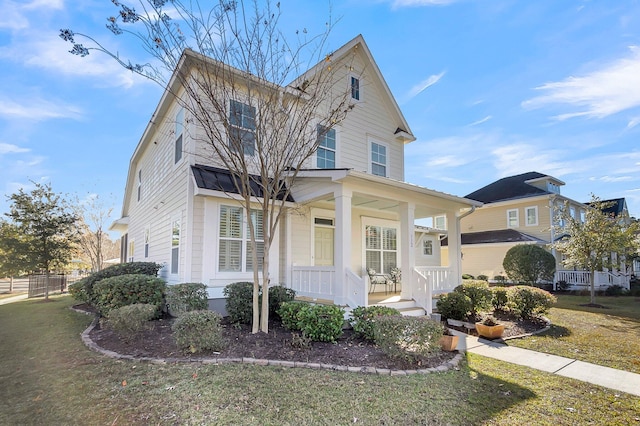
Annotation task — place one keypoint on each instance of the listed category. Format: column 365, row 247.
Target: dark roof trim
column 510, row 188
column 616, row 206
column 216, row 179
column 498, row 236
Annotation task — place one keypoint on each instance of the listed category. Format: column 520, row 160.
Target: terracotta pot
column 489, row 331
column 448, row 343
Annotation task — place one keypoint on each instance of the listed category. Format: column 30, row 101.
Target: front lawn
column 48, row 377
column 608, row 337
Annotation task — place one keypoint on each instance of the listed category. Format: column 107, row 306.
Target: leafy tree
column 529, row 264
column 13, row 259
column 589, row 245
column 228, row 51
column 47, row 227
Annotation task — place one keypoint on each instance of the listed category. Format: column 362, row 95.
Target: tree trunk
column 593, row 287
column 11, row 284
column 264, row 320
column 46, row 285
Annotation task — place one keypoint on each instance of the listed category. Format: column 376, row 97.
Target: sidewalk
column 607, row 377
column 13, row 299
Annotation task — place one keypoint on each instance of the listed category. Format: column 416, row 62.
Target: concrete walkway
column 13, row 299
column 607, row 377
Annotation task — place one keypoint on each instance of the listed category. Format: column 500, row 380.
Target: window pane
column 177, row 156
column 175, row 255
column 373, row 237
column 378, row 170
column 230, row 256
column 427, row 247
column 326, row 159
column 373, row 260
column 389, row 261
column 230, row 222
column 260, row 246
column 175, row 233
column 256, row 219
column 389, row 239
column 355, row 88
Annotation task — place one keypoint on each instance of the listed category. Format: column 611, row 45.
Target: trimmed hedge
column 116, row 292
column 526, row 301
column 454, row 305
column 288, row 313
column 186, row 297
column 239, row 301
column 127, row 321
column 278, row 295
column 479, row 294
column 408, row 338
column 198, row 331
column 321, row 323
column 500, row 298
column 363, row 319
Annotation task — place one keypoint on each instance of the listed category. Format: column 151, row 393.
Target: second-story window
column 326, row 153
column 242, row 127
column 512, row 218
column 378, row 159
column 531, row 216
column 177, row 149
column 355, row 88
column 427, row 248
column 440, row 222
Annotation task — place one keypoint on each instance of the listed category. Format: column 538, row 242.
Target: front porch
column 581, row 280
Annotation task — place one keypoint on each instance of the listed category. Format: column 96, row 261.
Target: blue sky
column 489, row 88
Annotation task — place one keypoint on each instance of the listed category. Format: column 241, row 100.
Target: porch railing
column 422, row 291
column 314, row 281
column 582, row 279
column 356, row 289
column 440, row 278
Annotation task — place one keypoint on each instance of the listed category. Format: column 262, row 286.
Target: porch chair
column 396, row 278
column 375, row 279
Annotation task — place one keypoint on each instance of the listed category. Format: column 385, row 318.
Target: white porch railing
column 439, row 277
column 356, row 289
column 314, row 281
column 602, row 280
column 422, row 291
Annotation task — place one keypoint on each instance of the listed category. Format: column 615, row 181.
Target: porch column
column 342, row 242
column 407, row 248
column 455, row 253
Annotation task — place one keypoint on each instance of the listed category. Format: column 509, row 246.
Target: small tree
column 47, row 226
column 529, row 264
column 94, row 241
column 13, row 258
column 589, row 245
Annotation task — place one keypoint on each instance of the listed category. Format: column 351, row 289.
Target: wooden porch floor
column 374, row 298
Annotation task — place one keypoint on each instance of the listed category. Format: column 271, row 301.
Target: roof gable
column 512, row 188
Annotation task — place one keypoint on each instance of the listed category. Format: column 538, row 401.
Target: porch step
column 412, row 312
column 406, row 307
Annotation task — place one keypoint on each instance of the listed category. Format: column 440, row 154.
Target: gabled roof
column 497, row 236
column 617, row 206
column 216, row 179
column 511, row 188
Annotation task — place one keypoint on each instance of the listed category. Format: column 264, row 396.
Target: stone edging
column 86, row 339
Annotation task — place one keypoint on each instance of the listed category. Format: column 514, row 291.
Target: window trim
column 383, row 223
column 245, row 240
column 172, row 247
column 426, row 246
column 358, row 80
column 241, row 128
column 526, row 216
column 334, row 150
column 178, row 135
column 517, row 218
column 435, row 221
column 370, row 159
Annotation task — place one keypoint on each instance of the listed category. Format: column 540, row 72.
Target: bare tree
column 261, row 103
column 94, row 240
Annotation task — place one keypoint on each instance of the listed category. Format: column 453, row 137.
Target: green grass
column 48, row 377
column 609, row 337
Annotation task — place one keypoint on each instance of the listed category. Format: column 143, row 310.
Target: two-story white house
column 350, row 208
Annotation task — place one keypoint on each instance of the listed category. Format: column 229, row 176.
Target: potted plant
column 448, row 341
column 489, row 328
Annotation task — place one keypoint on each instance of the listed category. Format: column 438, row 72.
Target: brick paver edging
column 86, row 339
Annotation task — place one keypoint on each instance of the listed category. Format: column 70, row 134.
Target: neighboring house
column 349, row 209
column 522, row 209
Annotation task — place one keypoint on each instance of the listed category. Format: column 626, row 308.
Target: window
column 177, row 156
column 355, row 88
column 147, row 232
column 139, row 184
column 242, row 128
column 235, row 253
column 582, row 215
column 381, row 248
column 131, row 250
column 378, row 159
column 572, row 212
column 427, row 248
column 175, row 245
column 440, row 222
column 512, row 218
column 326, row 154
column 531, row 214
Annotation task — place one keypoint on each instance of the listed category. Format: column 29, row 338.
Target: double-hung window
column 513, row 221
column 531, row 214
column 177, row 149
column 440, row 222
column 147, row 234
column 326, row 153
column 175, row 245
column 427, row 248
column 381, row 247
column 242, row 127
column 139, row 189
column 378, row 159
column 355, row 88
column 234, row 249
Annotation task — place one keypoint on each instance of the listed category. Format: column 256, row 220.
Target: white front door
column 323, row 246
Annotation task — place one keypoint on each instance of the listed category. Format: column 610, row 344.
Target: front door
column 323, row 246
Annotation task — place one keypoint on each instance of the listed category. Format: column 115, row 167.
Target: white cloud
column 483, row 120
column 613, row 88
column 413, row 3
column 7, row 148
column 513, row 159
column 14, row 14
column 38, row 109
column 633, row 122
column 424, row 84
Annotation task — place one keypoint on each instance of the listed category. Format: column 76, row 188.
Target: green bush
column 615, row 290
column 129, row 320
column 363, row 319
column 500, row 280
column 482, row 278
column 279, row 294
column 186, row 297
column 562, row 285
column 526, row 301
column 454, row 305
column 321, row 323
column 479, row 294
column 239, row 302
column 408, row 338
column 86, row 293
column 529, row 264
column 499, row 298
column 467, row 276
column 122, row 290
column 288, row 313
column 198, row 331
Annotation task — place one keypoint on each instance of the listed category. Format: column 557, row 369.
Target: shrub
column 288, row 313
column 363, row 319
column 499, row 298
column 279, row 294
column 87, row 283
column 526, row 301
column 615, row 290
column 482, row 278
column 78, row 292
column 529, row 264
column 122, row 290
column 408, row 338
column 321, row 323
column 478, row 292
column 239, row 302
column 129, row 320
column 186, row 297
column 562, row 285
column 500, row 280
column 467, row 276
column 198, row 331
column 454, row 305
